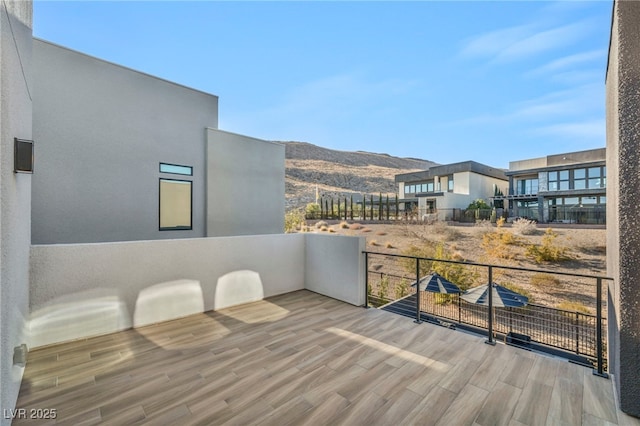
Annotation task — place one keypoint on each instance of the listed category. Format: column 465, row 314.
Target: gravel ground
column 586, row 247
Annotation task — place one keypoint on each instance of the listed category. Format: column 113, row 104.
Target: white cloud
column 584, row 130
column 568, row 62
column 514, row 43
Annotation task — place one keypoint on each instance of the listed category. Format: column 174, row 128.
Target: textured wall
column 16, row 91
column 623, row 199
column 334, row 266
column 245, row 185
column 87, row 289
column 102, row 131
column 79, row 290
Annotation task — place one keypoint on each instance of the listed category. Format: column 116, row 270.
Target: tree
column 479, row 204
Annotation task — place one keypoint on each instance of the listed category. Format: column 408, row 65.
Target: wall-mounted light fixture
column 20, row 355
column 22, row 156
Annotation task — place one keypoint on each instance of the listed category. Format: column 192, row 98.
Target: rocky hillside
column 340, row 172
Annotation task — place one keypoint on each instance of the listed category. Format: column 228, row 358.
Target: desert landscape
column 582, row 250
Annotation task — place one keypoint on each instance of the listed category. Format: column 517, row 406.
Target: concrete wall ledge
column 82, row 290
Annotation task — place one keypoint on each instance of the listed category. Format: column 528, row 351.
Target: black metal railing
column 389, row 280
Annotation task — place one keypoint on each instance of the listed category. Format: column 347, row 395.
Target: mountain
column 340, row 172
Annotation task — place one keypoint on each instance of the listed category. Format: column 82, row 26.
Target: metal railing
column 389, row 280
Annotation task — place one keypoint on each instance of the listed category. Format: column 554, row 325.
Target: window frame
column 175, row 228
column 176, row 173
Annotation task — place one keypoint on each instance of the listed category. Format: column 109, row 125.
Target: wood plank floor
column 302, row 358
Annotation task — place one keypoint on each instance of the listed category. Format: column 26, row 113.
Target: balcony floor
column 302, row 358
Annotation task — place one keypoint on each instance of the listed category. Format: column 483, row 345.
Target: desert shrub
column 331, row 230
column 321, row 223
column 479, row 204
column 541, row 280
column 500, row 244
column 573, row 307
column 448, row 233
column 402, row 289
column 373, row 243
column 525, row 226
column 458, row 274
column 366, row 229
column 383, row 287
column 389, row 245
column 549, row 250
column 324, row 228
column 381, row 233
column 293, row 221
column 344, row 225
column 312, row 211
column 500, row 222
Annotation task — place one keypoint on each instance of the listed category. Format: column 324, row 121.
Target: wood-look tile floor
column 302, row 358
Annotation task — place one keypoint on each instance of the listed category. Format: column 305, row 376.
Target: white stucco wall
column 80, row 290
column 102, row 130
column 334, row 266
column 16, row 91
column 245, row 182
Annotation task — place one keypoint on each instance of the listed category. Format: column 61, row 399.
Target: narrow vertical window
column 175, row 204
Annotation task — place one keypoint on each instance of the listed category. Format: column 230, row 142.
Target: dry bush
column 321, row 223
column 366, row 230
column 344, row 225
column 549, row 250
column 381, row 233
column 482, row 223
column 541, row 280
column 525, row 226
column 373, row 243
column 573, row 307
column 331, row 230
column 448, row 233
column 500, row 244
column 324, row 228
column 500, row 222
column 389, row 245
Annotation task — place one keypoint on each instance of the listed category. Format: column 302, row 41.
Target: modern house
column 445, row 188
column 122, row 156
column 567, row 188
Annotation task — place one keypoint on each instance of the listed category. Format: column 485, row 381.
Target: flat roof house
column 566, row 188
column 447, row 187
column 122, row 155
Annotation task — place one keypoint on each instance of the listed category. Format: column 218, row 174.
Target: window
column 175, row 204
column 430, row 187
column 580, row 179
column 527, row 186
column 176, row 169
column 597, row 177
column 450, row 184
column 558, row 181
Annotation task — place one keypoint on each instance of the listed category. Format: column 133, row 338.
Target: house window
column 597, row 177
column 558, row 181
column 175, row 204
column 430, row 187
column 527, row 186
column 450, row 184
column 580, row 179
column 176, row 169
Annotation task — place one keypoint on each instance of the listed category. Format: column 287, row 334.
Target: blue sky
column 445, row 81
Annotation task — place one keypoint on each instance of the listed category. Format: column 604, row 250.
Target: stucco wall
column 101, row 132
column 120, row 280
column 16, row 90
column 623, row 199
column 245, row 185
column 80, row 290
column 334, row 266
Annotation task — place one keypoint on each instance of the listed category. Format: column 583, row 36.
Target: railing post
column 417, row 320
column 577, row 333
column 490, row 327
column 366, row 280
column 600, row 370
